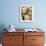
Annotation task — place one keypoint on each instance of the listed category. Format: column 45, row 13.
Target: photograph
column 26, row 13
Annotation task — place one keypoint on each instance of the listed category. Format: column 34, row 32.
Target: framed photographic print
column 26, row 13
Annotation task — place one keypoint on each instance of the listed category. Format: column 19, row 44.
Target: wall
column 10, row 13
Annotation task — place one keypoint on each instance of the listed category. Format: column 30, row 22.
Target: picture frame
column 26, row 13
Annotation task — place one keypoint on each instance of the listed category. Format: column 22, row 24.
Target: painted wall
column 9, row 13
